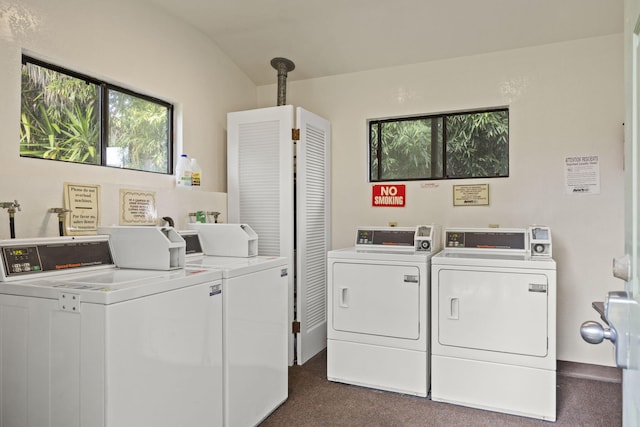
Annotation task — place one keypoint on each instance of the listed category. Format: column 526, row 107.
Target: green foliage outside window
column 69, row 117
column 139, row 128
column 461, row 145
column 59, row 116
column 478, row 144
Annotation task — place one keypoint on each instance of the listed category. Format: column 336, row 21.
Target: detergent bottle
column 183, row 173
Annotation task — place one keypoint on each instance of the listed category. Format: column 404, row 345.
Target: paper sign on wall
column 582, row 174
column 388, row 195
column 83, row 203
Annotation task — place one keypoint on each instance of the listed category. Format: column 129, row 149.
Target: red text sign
column 388, row 195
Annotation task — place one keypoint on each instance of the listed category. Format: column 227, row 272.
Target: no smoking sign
column 388, row 195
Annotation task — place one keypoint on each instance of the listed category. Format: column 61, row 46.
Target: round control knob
column 425, row 245
column 538, row 248
column 594, row 333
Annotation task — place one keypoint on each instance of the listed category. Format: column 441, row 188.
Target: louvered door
column 260, row 179
column 313, row 211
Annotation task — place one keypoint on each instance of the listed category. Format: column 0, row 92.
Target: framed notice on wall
column 471, row 195
column 138, row 207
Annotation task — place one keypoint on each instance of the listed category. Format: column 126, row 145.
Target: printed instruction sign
column 388, row 195
column 83, row 203
column 471, row 195
column 582, row 174
column 138, row 207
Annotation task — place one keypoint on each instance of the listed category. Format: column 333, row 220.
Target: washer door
column 376, row 299
column 493, row 311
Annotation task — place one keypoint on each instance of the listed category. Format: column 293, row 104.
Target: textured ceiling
column 332, row 37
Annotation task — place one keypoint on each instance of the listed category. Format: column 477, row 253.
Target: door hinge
column 295, row 134
column 295, row 327
column 69, row 302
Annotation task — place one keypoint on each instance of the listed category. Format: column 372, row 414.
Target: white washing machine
column 378, row 305
column 255, row 317
column 84, row 344
column 494, row 321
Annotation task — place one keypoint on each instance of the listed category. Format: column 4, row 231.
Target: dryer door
column 493, row 311
column 377, row 299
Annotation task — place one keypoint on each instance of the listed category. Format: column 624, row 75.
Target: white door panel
column 622, row 308
column 381, row 300
column 631, row 375
column 313, row 232
column 493, row 311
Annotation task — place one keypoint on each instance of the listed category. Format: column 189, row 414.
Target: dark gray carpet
column 315, row 401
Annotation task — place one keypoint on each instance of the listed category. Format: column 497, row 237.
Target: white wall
column 134, row 46
column 564, row 99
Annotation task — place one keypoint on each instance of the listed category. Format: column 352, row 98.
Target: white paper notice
column 582, row 175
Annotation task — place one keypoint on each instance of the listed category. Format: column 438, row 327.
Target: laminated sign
column 388, row 195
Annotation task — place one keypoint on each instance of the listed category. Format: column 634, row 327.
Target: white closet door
column 260, row 182
column 313, row 230
column 260, row 176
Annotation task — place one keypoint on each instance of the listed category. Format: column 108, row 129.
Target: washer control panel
column 28, row 257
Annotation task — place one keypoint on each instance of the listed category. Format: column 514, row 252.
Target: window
column 444, row 146
column 71, row 117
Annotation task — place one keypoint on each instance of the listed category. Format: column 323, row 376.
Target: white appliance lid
column 491, row 259
column 237, row 266
column 380, row 255
column 109, row 286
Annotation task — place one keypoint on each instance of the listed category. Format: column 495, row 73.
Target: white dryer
column 378, row 304
column 255, row 319
column 494, row 321
column 86, row 344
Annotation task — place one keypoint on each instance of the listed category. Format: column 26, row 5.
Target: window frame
column 103, row 114
column 439, row 148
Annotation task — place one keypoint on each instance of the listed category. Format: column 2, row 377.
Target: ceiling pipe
column 283, row 66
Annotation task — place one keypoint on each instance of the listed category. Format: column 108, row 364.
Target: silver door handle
column 594, row 333
column 620, row 311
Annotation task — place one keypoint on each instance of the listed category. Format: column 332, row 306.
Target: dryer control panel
column 511, row 239
column 422, row 238
column 540, row 241
column 534, row 241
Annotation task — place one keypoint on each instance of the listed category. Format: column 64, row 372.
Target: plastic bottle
column 183, row 173
column 196, row 175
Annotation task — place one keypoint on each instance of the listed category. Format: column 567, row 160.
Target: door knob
column 621, row 313
column 594, row 333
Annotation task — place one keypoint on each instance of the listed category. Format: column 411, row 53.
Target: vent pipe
column 283, row 66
